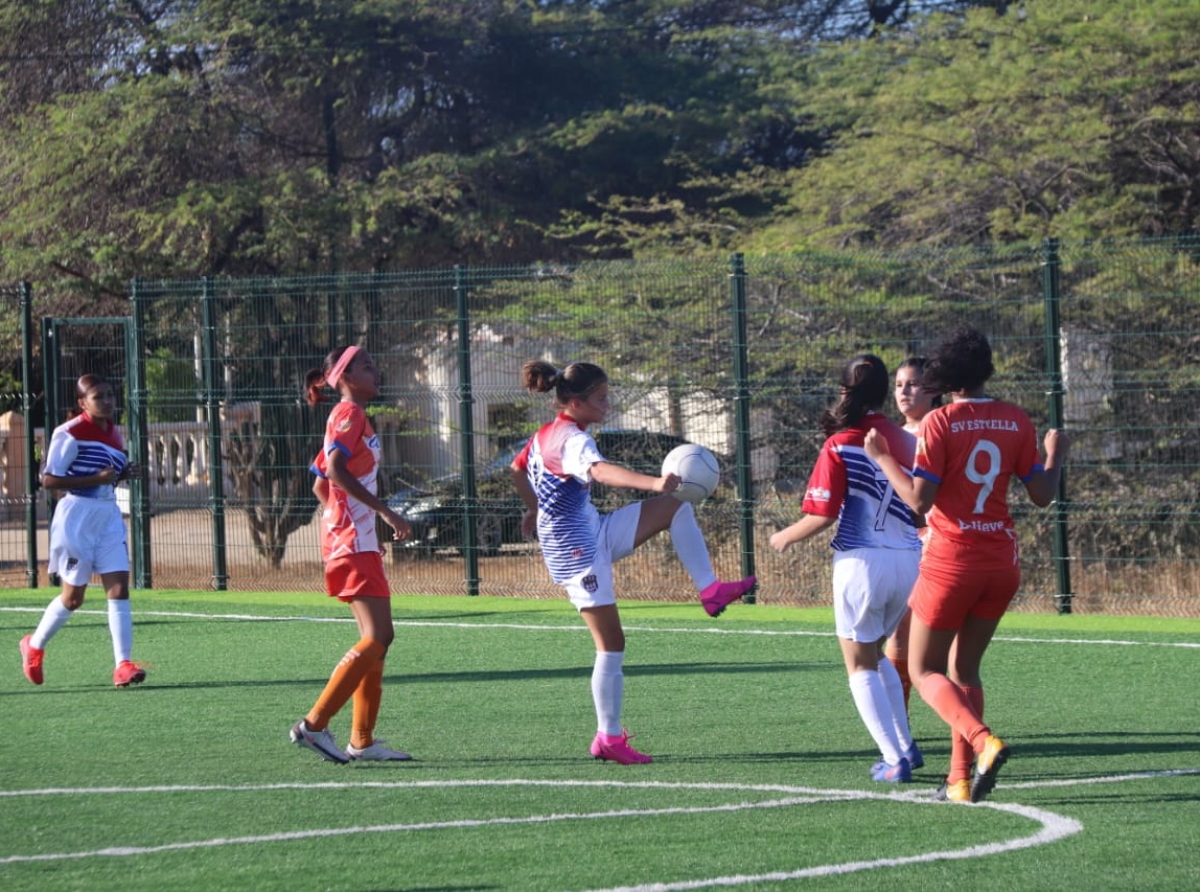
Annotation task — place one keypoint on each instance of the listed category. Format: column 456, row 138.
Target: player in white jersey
column 914, row 403
column 553, row 475
column 876, row 555
column 84, row 461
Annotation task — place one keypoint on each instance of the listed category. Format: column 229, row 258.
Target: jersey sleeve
column 345, row 428
column 826, row 485
column 521, row 461
column 579, row 453
column 61, row 453
column 930, row 458
column 1029, row 460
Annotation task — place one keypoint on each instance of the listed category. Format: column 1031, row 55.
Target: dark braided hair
column 576, row 381
column 865, row 383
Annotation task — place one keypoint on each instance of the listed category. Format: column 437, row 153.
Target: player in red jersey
column 966, row 454
column 347, row 472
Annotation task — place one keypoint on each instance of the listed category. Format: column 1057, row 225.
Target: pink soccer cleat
column 720, row 595
column 31, row 660
column 127, row 673
column 616, row 748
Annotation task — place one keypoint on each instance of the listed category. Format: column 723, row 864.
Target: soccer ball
column 698, row 469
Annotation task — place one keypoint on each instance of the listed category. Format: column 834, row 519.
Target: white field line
column 1050, row 826
column 528, row 627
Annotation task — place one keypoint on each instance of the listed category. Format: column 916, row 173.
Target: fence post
column 1051, row 294
column 216, row 461
column 466, row 421
column 741, row 416
column 32, row 485
column 139, row 520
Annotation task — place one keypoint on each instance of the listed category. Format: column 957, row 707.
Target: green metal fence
column 738, row 355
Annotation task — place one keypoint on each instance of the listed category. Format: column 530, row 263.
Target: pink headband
column 335, row 373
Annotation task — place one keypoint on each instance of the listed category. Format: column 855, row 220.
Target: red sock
column 962, row 757
column 951, row 703
column 899, row 658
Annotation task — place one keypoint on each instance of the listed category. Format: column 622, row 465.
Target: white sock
column 895, row 694
column 690, row 546
column 876, row 712
column 608, row 690
column 120, row 626
column 53, row 619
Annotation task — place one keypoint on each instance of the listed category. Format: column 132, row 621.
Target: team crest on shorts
column 72, row 563
column 590, row 584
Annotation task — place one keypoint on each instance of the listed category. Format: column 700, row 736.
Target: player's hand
column 400, row 528
column 132, row 471
column 875, row 445
column 780, row 542
column 1057, row 444
column 668, row 483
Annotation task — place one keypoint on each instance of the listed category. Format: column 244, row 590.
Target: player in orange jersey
column 347, row 471
column 966, row 454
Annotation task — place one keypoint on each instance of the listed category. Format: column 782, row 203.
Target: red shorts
column 945, row 596
column 357, row 576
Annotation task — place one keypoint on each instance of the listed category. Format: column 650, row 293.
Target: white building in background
column 500, row 403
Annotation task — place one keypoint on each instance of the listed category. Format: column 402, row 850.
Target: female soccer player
column 553, row 474
column 967, row 452
column 914, row 403
column 85, row 460
column 875, row 555
column 347, row 471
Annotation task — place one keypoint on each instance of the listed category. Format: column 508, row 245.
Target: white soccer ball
column 698, row 469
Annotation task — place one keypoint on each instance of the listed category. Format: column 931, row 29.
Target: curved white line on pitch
column 1051, row 826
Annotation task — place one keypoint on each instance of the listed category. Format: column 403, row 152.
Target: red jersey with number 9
column 972, row 449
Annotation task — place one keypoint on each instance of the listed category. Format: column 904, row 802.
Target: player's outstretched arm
column 1043, row 487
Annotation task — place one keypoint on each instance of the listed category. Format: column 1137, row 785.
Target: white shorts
column 87, row 536
column 594, row 586
column 870, row 590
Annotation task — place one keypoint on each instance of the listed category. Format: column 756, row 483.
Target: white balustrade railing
column 176, row 466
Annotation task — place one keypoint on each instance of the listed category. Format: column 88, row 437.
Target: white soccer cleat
column 376, row 752
column 320, row 742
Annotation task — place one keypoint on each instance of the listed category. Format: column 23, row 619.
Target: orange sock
column 344, row 681
column 951, row 703
column 962, row 757
column 899, row 658
column 367, row 697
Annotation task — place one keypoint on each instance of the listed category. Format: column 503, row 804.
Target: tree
column 1064, row 119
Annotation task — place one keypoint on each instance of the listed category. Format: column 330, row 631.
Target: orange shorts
column 357, row 576
column 945, row 596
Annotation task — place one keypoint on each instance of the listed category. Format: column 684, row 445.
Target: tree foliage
column 1068, row 119
column 188, row 137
